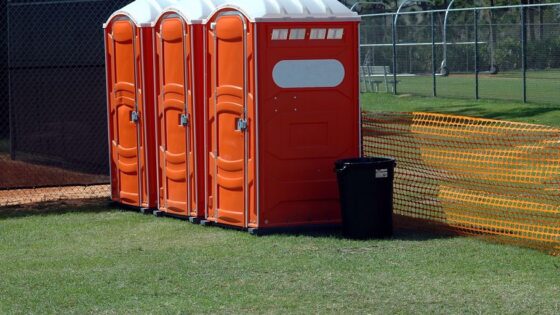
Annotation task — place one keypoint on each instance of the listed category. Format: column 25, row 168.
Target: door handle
column 184, row 121
column 241, row 125
column 134, row 116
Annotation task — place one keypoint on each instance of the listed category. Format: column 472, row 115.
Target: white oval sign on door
column 311, row 73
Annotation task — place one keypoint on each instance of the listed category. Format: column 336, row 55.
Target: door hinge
column 241, row 125
column 134, row 116
column 184, row 120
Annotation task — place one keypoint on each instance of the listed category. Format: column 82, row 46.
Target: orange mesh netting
column 474, row 175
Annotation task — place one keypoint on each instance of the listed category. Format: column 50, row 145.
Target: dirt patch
column 18, row 174
column 95, row 205
column 37, row 195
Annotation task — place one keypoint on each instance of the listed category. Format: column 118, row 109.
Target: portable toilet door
column 129, row 70
column 230, row 111
column 179, row 89
column 283, row 106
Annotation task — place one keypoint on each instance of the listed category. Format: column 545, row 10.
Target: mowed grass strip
column 542, row 86
column 102, row 260
column 493, row 109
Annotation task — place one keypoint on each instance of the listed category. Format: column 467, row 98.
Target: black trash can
column 366, row 196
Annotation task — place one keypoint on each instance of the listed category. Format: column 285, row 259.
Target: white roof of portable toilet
column 142, row 12
column 193, row 11
column 287, row 10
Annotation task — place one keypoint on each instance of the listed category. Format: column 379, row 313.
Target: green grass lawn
column 542, row 86
column 101, row 260
column 494, row 109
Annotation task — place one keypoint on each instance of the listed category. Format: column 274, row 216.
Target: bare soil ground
column 39, row 195
column 18, row 174
column 58, row 207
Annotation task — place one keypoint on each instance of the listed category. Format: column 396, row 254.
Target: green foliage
column 508, row 54
column 543, row 54
column 499, row 37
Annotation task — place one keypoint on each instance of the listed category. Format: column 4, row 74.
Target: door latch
column 184, row 120
column 134, row 116
column 241, row 125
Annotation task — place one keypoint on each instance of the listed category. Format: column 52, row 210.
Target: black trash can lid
column 378, row 161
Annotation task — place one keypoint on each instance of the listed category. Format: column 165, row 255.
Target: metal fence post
column 11, row 118
column 434, row 83
column 477, row 96
column 394, row 38
column 524, row 53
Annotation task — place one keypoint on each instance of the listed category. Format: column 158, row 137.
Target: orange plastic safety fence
column 475, row 175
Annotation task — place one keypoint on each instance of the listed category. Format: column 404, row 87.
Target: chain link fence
column 53, row 129
column 503, row 52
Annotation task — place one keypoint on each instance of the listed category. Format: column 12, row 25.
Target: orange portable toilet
column 130, row 101
column 282, row 106
column 179, row 88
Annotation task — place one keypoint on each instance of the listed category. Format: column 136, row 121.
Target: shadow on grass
column 511, row 113
column 484, row 108
column 60, row 207
column 405, row 229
